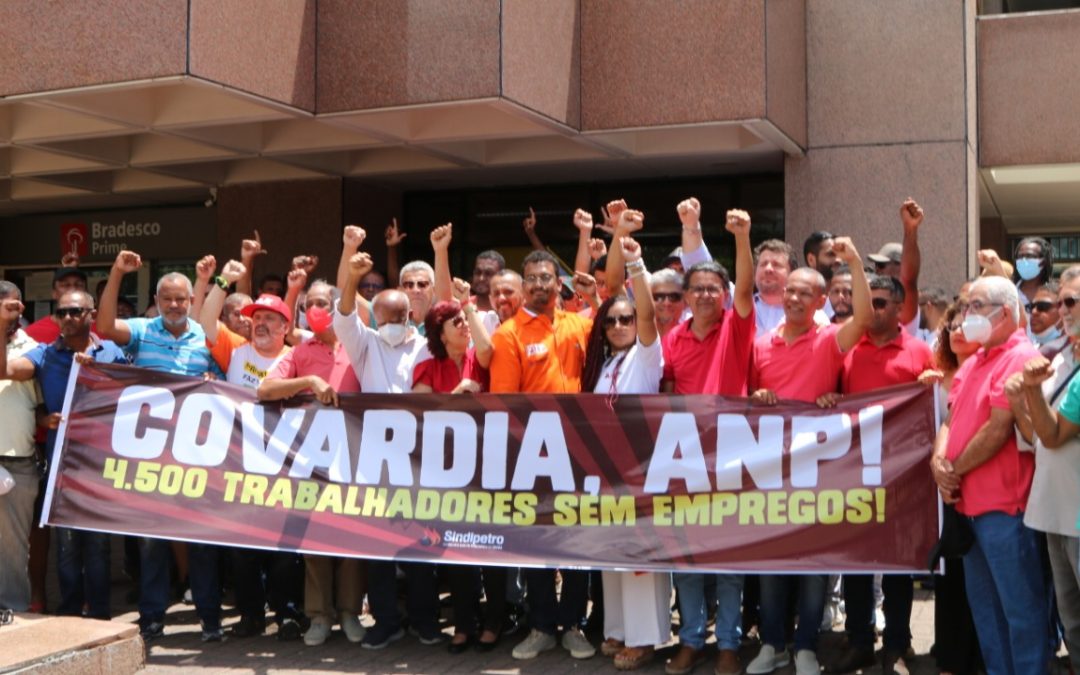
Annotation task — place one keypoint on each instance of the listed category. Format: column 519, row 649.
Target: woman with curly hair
column 451, row 327
column 624, row 356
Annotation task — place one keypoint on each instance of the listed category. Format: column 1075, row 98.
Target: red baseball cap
column 270, row 302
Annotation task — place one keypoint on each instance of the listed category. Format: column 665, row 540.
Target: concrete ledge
column 63, row 644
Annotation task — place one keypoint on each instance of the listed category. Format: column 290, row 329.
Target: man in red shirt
column 978, row 466
column 887, row 355
column 46, row 330
column 710, row 354
column 802, row 360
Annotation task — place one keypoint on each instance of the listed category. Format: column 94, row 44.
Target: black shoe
column 515, row 619
column 248, row 626
column 852, row 659
column 152, row 631
column 460, row 647
column 289, row 630
column 485, row 647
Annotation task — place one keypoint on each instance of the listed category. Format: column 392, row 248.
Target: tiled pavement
column 181, row 651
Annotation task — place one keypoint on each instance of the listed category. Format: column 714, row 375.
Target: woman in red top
column 453, row 369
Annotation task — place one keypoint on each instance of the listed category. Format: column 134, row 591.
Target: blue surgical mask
column 1049, row 335
column 1028, row 268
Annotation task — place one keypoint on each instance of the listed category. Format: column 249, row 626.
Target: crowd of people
column 1002, row 348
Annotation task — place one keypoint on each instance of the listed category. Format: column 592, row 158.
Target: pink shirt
column 313, row 357
column 801, row 371
column 718, row 364
column 1004, row 481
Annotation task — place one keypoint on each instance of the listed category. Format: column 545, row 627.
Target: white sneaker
column 318, row 632
column 879, row 620
column 350, row 625
column 806, row 663
column 575, row 643
column 767, row 661
column 531, row 646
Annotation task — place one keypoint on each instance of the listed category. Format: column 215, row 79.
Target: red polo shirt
column 1003, row 482
column 900, row 361
column 313, row 357
column 717, row 364
column 801, row 371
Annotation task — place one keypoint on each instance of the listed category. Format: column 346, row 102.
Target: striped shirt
column 153, row 347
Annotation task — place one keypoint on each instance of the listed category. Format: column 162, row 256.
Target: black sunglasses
column 1041, row 306
column 1068, row 301
column 670, row 297
column 623, row 320
column 69, row 312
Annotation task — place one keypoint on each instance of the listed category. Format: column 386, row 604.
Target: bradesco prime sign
column 187, row 232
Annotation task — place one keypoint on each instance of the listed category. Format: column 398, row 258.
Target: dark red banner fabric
column 645, row 482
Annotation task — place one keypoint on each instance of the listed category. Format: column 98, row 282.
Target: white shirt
column 1055, row 489
column 636, row 371
column 380, row 368
column 18, row 401
column 491, row 321
column 248, row 367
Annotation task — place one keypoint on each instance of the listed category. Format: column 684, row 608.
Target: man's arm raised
column 108, row 326
column 862, row 311
column 737, row 222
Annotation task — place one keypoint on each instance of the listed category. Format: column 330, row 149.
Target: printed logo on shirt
column 250, row 368
column 536, row 350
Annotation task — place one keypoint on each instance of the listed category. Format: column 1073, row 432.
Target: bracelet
column 695, row 230
column 467, row 307
column 639, row 273
column 637, row 265
column 222, row 283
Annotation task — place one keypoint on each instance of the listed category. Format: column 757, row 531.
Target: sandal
column 611, row 647
column 632, row 658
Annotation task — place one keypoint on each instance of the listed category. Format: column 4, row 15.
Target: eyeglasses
column 1040, row 306
column 410, row 285
column 623, row 320
column 539, row 278
column 979, row 305
column 70, row 312
column 954, row 326
column 879, row 303
column 457, row 321
column 1068, row 302
column 706, row 290
column 670, row 297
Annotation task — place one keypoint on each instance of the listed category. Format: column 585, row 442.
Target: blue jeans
column 154, row 556
column 82, row 564
column 1004, row 580
column 693, row 609
column 774, row 608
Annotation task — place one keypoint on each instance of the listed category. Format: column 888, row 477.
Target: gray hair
column 9, row 290
column 1000, row 290
column 1071, row 272
column 319, row 283
column 418, row 266
column 175, row 277
column 665, row 276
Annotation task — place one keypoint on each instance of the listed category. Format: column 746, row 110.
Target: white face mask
column 1049, row 335
column 393, row 334
column 977, row 328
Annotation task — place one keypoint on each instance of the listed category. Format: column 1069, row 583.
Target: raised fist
column 233, row 270
column 10, row 311
column 353, row 236
column 846, row 251
column 529, row 223
column 360, row 264
column 583, row 220
column 737, row 222
column 689, row 211
column 631, row 250
column 911, row 214
column 460, row 291
column 630, row 221
column 297, row 278
column 441, row 236
column 597, row 249
column 127, row 261
column 584, row 283
column 204, row 269
column 308, row 263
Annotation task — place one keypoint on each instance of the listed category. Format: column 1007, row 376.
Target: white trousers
column 637, row 607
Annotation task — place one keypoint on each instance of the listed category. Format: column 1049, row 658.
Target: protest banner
column 642, row 482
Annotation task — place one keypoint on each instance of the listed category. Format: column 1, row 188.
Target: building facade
column 176, row 127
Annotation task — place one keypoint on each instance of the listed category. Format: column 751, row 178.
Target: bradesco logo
column 73, row 239
column 111, row 238
column 452, row 539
